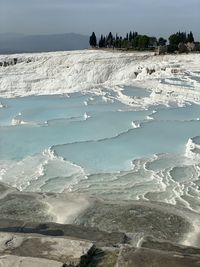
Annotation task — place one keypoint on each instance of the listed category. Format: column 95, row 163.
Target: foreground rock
column 139, row 218
column 142, row 257
column 17, row 261
column 41, row 207
column 67, row 251
column 152, row 252
column 98, row 237
column 152, row 243
column 94, row 233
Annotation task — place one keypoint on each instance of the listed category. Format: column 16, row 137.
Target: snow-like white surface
column 66, row 72
column 140, row 146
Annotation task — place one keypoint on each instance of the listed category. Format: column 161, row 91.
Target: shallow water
column 97, row 145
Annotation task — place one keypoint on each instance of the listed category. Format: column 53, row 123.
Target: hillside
column 19, row 43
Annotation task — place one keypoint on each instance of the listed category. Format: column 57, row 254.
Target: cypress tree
column 93, row 40
column 104, row 41
column 130, row 36
column 190, row 37
column 109, row 40
column 101, row 43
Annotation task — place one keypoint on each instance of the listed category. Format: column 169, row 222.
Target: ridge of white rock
column 66, row 72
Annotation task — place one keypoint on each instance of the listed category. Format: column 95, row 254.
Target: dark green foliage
column 109, row 40
column 130, row 37
column 162, row 41
column 180, row 37
column 176, row 39
column 93, row 40
column 102, row 41
column 104, row 258
column 172, row 48
column 143, row 41
column 190, row 37
column 133, row 40
column 130, row 41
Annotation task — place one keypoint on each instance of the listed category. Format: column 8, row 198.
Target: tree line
column 133, row 40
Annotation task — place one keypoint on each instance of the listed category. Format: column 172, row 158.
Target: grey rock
column 17, row 261
column 152, row 243
column 65, row 250
column 5, row 189
column 40, row 207
column 142, row 257
column 20, row 206
column 163, row 221
column 136, row 217
column 100, row 238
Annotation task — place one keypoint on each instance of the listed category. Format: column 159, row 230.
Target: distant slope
column 16, row 43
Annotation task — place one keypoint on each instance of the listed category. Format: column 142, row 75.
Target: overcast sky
column 153, row 17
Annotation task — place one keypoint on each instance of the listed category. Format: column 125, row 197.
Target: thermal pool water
column 95, row 144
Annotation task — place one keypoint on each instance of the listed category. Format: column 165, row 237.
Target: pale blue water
column 136, row 91
column 115, row 154
column 111, row 157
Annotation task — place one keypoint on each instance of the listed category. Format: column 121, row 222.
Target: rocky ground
column 101, row 234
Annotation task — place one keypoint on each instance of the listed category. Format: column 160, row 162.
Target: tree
column 143, row 41
column 174, row 39
column 130, row 36
column 102, row 41
column 135, row 42
column 162, row 41
column 190, row 37
column 180, row 37
column 93, row 40
column 109, row 40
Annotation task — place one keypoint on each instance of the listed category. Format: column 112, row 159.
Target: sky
column 152, row 17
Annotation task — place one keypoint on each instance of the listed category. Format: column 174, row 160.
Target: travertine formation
column 17, row 261
column 103, row 234
column 65, row 250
